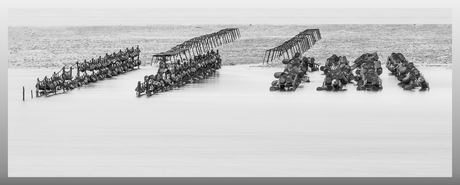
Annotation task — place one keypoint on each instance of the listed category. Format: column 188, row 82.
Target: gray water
column 230, row 125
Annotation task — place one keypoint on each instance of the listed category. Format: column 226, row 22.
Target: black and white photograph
column 200, row 91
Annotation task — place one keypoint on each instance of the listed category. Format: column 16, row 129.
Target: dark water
column 230, row 125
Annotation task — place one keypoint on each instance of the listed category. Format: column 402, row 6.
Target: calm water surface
column 230, row 125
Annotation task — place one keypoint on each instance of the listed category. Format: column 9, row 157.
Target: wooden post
column 206, row 45
column 151, row 61
column 213, row 45
column 263, row 60
column 304, row 48
column 209, row 44
column 273, row 54
column 190, row 55
column 200, row 46
column 203, row 45
column 299, row 48
column 78, row 71
column 267, row 54
column 313, row 39
column 23, row 93
column 185, row 54
column 31, row 94
column 213, row 42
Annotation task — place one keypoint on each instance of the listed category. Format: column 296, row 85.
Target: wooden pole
column 207, row 45
column 213, row 40
column 263, row 60
column 273, row 53
column 23, row 93
column 269, row 59
column 268, row 56
column 210, row 43
column 193, row 51
column 78, row 70
column 31, row 94
column 298, row 49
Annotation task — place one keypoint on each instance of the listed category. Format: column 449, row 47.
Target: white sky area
column 229, row 4
column 145, row 17
column 143, row 12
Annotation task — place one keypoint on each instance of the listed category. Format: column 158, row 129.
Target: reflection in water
column 230, row 125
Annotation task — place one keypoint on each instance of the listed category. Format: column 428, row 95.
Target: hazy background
column 184, row 16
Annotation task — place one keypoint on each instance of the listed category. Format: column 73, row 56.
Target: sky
column 229, row 4
column 190, row 16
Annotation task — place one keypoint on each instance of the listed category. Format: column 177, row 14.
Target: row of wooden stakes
column 297, row 44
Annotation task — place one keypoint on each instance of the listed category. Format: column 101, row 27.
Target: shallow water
column 58, row 46
column 230, row 125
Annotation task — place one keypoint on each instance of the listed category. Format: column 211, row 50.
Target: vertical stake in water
column 23, row 93
column 31, row 94
column 78, row 71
